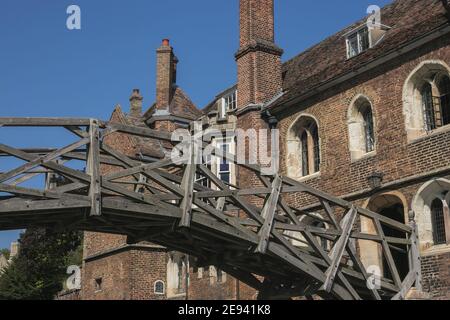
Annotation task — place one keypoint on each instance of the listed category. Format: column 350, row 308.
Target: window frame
column 163, row 287
column 438, row 227
column 357, row 36
column 227, row 104
column 218, row 160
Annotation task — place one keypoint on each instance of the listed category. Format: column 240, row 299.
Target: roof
column 148, row 147
column 180, row 106
column 327, row 60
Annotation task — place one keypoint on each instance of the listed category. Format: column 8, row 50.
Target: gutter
column 408, row 47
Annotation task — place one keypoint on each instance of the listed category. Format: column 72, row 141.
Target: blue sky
column 47, row 70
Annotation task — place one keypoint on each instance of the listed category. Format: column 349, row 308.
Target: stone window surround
column 357, row 144
column 294, row 161
column 412, row 101
column 421, row 204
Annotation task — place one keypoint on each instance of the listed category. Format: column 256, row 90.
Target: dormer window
column 358, row 42
column 228, row 103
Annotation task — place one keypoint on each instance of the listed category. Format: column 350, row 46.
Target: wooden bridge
column 252, row 234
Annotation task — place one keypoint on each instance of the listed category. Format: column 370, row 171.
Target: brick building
column 363, row 115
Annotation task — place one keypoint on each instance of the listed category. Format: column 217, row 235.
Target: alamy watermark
column 252, row 147
column 73, row 21
column 74, row 280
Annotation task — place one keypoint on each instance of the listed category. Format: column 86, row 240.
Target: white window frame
column 228, row 103
column 358, row 33
column 220, row 144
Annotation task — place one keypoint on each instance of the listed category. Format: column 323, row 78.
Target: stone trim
column 259, row 46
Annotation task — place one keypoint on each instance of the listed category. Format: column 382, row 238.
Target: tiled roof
column 181, row 106
column 327, row 60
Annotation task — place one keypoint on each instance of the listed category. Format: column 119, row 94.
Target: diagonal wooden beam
column 41, row 160
column 268, row 214
column 187, row 185
column 339, row 249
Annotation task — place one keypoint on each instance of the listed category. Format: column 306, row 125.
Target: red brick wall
column 145, row 269
column 395, row 156
column 114, row 270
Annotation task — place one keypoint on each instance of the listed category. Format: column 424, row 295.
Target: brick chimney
column 165, row 75
column 258, row 58
column 259, row 78
column 136, row 104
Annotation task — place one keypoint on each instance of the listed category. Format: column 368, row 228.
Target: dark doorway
column 399, row 252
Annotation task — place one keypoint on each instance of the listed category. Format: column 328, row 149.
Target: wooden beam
column 339, row 249
column 93, row 169
column 268, row 214
column 187, row 185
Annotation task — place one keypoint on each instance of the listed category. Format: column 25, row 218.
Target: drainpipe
column 270, row 119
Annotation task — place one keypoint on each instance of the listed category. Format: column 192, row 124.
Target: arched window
column 438, row 222
column 361, row 128
column 426, row 98
column 303, row 144
column 310, row 148
column 159, row 287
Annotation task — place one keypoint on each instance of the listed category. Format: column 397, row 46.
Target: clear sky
column 47, row 70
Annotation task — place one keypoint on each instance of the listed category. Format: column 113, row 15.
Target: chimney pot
column 166, row 42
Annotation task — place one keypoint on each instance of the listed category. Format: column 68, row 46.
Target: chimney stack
column 136, row 104
column 166, row 75
column 258, row 58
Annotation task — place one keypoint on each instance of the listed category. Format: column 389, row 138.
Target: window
column 428, row 107
column 438, row 222
column 227, row 104
column 305, row 153
column 444, row 99
column 369, row 136
column 223, row 165
column 426, row 97
column 98, row 284
column 361, row 128
column 316, row 148
column 310, row 149
column 436, row 102
column 303, row 148
column 200, row 178
column 358, row 42
column 231, row 101
column 159, row 287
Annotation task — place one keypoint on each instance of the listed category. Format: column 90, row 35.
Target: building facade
column 363, row 115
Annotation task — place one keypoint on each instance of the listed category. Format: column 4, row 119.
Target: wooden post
column 339, row 249
column 93, row 168
column 268, row 214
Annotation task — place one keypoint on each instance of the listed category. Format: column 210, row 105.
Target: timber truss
column 252, row 234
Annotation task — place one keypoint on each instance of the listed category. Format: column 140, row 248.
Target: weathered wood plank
column 93, row 169
column 339, row 249
column 268, row 214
